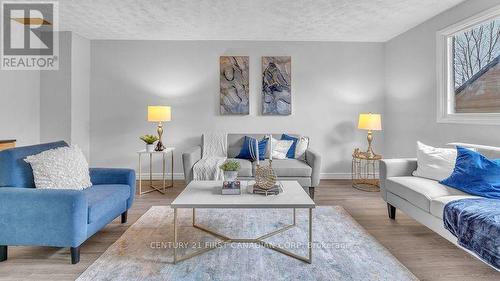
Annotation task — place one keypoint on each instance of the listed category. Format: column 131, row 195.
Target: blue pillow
column 291, row 151
column 245, row 148
column 475, row 174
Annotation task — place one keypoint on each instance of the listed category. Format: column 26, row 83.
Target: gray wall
column 331, row 84
column 410, row 107
column 43, row 106
column 55, row 96
column 80, row 93
column 20, row 106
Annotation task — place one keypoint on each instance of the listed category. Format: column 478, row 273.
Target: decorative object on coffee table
column 231, row 188
column 265, row 178
column 370, row 122
column 150, row 142
column 230, row 168
column 163, row 153
column 159, row 114
column 364, row 171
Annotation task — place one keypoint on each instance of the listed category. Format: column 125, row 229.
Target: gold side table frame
column 365, row 171
column 259, row 240
column 164, row 154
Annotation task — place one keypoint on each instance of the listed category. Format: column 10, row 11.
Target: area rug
column 342, row 249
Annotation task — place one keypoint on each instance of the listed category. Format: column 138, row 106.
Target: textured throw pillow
column 301, row 147
column 475, row 174
column 280, row 148
column 434, row 163
column 291, row 151
column 60, row 168
column 245, row 148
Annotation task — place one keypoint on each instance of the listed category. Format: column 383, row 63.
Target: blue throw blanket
column 476, row 224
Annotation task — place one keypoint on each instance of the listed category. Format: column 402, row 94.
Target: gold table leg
column 259, row 240
column 153, row 188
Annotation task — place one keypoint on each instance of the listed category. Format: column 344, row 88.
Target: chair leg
column 3, row 253
column 311, row 192
column 124, row 217
column 75, row 255
column 391, row 210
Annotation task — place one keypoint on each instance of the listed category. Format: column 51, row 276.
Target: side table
column 163, row 153
column 365, row 171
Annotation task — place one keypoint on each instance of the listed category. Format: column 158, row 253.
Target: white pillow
column 435, row 163
column 60, row 168
column 301, row 147
column 280, row 148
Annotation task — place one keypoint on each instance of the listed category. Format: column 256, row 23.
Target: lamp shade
column 159, row 113
column 370, row 121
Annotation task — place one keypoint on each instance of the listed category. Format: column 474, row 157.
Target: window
column 469, row 70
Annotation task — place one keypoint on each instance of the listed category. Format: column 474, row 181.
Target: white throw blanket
column 214, row 154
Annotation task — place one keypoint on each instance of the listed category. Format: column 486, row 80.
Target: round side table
column 365, row 171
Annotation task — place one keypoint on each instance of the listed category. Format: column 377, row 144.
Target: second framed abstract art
column 276, row 85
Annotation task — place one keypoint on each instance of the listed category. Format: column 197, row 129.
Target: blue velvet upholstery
column 476, row 224
column 60, row 218
column 14, row 171
column 104, row 198
column 475, row 174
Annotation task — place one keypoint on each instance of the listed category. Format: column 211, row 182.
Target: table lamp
column 159, row 114
column 370, row 122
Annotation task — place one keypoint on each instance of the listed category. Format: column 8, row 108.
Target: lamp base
column 159, row 146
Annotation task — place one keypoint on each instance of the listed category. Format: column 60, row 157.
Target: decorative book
column 231, row 188
column 275, row 190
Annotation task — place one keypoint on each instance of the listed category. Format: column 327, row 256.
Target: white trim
column 180, row 176
column 335, row 176
column 159, row 176
column 443, row 70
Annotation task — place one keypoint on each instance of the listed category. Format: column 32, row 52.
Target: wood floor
column 425, row 253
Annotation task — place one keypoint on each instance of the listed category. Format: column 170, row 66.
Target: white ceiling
column 280, row 20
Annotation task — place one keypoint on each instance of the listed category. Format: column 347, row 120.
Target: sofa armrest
column 189, row 158
column 43, row 217
column 114, row 176
column 397, row 167
column 313, row 159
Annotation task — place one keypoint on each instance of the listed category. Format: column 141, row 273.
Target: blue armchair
column 57, row 218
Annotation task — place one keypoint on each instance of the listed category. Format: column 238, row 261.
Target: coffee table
column 207, row 195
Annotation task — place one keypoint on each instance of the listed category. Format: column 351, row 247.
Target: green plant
column 230, row 165
column 149, row 139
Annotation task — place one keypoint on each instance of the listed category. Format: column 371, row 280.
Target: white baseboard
column 335, row 176
column 180, row 176
column 159, row 176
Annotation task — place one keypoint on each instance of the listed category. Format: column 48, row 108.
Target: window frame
column 444, row 65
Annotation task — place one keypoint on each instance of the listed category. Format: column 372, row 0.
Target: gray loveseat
column 420, row 198
column 305, row 172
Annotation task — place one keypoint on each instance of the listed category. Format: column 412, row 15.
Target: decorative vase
column 150, row 147
column 230, row 175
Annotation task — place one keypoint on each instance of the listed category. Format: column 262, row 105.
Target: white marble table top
column 165, row 151
column 207, row 194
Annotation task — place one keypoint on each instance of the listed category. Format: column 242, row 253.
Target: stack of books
column 231, row 188
column 275, row 190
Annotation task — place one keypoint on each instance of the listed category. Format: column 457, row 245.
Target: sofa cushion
column 290, row 168
column 419, row 191
column 437, row 204
column 104, row 198
column 245, row 167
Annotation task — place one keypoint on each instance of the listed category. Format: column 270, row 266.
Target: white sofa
column 420, row 198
